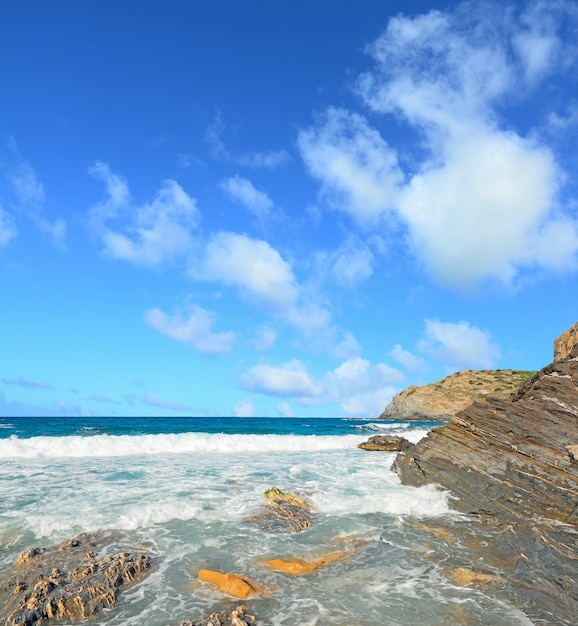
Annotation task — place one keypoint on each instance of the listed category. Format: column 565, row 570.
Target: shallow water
column 188, row 495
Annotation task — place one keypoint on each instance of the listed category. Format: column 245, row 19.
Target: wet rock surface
column 511, row 463
column 386, row 443
column 236, row 617
column 284, row 512
column 74, row 579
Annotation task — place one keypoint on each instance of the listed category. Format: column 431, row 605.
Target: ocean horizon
column 188, row 488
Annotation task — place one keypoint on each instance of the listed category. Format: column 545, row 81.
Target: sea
column 189, row 489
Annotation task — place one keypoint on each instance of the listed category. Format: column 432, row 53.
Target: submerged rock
column 68, row 581
column 284, row 512
column 232, row 584
column 236, row 617
column 300, row 566
column 386, row 443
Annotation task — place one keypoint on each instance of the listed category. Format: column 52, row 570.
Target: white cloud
column 7, row 228
column 30, row 200
column 409, row 361
column 155, row 400
column 244, row 408
column 242, row 190
column 267, row 159
column 150, row 234
column 284, row 410
column 359, row 173
column 290, row 379
column 459, row 345
column 194, row 329
column 479, row 201
column 357, row 386
column 262, row 276
column 347, row 348
column 348, row 265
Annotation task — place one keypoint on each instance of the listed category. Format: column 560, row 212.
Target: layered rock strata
column 513, row 465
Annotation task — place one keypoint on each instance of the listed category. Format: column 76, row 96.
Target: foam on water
column 190, row 497
column 186, row 443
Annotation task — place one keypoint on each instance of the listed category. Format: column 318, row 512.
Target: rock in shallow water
column 236, row 617
column 68, row 581
column 386, row 443
column 284, row 512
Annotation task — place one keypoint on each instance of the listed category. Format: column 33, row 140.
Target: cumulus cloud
column 193, row 329
column 153, row 399
column 357, row 386
column 290, row 379
column 262, row 277
column 408, row 360
column 459, row 345
column 150, row 234
column 267, row 159
column 244, row 408
column 242, row 190
column 348, row 265
column 358, row 171
column 478, row 199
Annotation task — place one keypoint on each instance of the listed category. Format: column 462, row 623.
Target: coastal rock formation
column 284, row 512
column 566, row 345
column 508, row 457
column 386, row 443
column 68, row 581
column 441, row 400
column 512, row 464
column 236, row 617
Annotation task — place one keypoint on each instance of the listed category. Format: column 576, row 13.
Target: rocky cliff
column 443, row 399
column 513, row 464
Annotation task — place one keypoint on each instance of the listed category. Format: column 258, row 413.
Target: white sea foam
column 186, row 443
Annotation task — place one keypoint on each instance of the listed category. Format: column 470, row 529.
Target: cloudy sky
column 280, row 208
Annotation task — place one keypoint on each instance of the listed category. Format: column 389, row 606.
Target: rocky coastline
column 511, row 464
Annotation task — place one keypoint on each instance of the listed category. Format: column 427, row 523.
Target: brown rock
column 67, row 580
column 232, row 584
column 236, row 617
column 512, row 463
column 386, row 443
column 284, row 512
column 566, row 345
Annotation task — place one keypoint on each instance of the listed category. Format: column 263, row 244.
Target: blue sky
column 280, row 208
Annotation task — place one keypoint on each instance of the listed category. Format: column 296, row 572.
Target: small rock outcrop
column 67, row 581
column 236, row 617
column 300, row 566
column 441, row 400
column 284, row 512
column 386, row 443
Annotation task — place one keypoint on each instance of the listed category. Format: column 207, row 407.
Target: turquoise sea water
column 187, row 488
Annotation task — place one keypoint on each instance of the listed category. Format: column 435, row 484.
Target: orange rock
column 299, row 566
column 234, row 585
